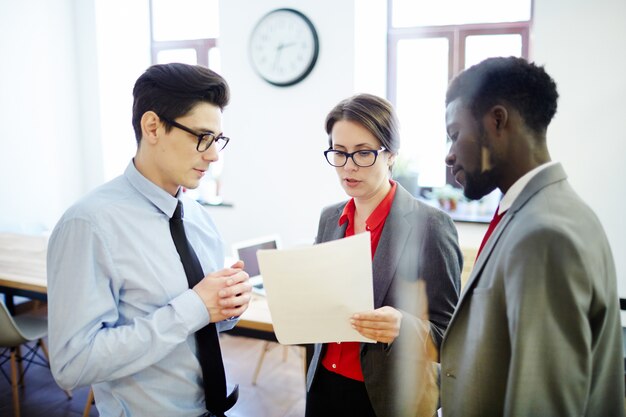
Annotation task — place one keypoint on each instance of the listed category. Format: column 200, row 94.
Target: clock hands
column 279, row 50
column 281, row 46
column 284, row 47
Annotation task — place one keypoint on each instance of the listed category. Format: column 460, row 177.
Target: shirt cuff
column 191, row 310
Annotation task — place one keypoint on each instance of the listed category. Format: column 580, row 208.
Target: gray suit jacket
column 537, row 330
column 417, row 242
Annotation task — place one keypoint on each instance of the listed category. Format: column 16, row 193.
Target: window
column 428, row 44
column 186, row 31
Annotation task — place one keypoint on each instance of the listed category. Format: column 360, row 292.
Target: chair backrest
column 10, row 335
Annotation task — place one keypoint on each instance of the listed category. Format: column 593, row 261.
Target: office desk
column 23, row 273
column 23, row 267
column 256, row 321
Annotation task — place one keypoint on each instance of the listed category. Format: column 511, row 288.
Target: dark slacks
column 334, row 395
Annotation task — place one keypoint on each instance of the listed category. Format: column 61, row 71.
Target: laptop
column 246, row 251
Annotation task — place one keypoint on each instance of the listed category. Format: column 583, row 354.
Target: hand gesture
column 225, row 293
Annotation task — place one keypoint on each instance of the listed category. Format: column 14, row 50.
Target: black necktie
column 207, row 341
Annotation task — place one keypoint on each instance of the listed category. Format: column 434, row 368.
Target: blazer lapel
column 392, row 241
column 485, row 253
column 332, row 230
column 544, row 178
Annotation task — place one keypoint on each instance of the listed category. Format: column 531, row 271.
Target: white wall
column 87, row 83
column 581, row 44
column 274, row 171
column 41, row 163
column 123, row 54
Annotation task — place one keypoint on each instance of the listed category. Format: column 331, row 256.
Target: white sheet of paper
column 313, row 291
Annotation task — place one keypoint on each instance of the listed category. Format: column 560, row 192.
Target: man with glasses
column 137, row 288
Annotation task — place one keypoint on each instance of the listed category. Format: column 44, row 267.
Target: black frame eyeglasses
column 205, row 140
column 332, row 155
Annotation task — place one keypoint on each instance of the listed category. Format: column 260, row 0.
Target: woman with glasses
column 413, row 245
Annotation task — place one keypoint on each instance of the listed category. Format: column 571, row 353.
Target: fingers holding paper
column 381, row 325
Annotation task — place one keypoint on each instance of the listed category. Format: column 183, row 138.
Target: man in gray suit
column 537, row 329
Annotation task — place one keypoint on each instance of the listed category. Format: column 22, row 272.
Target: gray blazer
column 417, row 242
column 537, row 330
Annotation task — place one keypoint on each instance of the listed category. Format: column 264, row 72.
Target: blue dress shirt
column 121, row 314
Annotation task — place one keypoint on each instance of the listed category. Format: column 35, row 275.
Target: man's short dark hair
column 172, row 90
column 514, row 81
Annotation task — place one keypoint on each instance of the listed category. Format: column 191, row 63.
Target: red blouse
column 343, row 358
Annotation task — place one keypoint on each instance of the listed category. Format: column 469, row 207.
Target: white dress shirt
column 519, row 185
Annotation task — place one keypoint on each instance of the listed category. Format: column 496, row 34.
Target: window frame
column 201, row 46
column 456, row 35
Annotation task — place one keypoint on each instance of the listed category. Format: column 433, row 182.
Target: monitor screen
column 248, row 255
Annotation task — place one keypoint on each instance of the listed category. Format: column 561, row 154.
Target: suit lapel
column 486, row 252
column 544, row 178
column 392, row 241
column 332, row 230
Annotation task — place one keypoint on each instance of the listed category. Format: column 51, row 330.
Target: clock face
column 284, row 47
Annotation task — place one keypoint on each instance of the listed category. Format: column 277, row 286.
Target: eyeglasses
column 363, row 158
column 205, row 140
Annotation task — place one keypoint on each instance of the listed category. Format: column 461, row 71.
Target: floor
column 279, row 391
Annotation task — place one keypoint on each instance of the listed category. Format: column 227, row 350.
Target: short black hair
column 172, row 90
column 373, row 113
column 525, row 86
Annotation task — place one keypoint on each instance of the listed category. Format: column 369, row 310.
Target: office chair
column 89, row 403
column 15, row 332
column 267, row 346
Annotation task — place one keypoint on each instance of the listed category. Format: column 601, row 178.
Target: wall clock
column 284, row 47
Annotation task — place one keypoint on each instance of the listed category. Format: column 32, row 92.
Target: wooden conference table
column 23, row 273
column 23, row 267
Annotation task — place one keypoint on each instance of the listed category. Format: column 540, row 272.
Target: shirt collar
column 519, row 185
column 152, row 192
column 379, row 214
column 348, row 212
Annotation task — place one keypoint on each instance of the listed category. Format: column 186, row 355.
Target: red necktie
column 491, row 228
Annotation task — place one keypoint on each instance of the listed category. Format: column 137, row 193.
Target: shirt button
column 334, row 366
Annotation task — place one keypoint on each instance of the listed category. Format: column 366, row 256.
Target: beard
column 479, row 184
